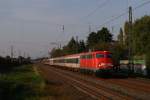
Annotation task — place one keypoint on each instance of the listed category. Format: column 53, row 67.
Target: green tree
column 72, row 47
column 148, row 60
column 99, row 40
column 126, row 31
column 92, row 40
column 104, row 35
column 82, row 46
column 141, row 34
column 56, row 53
column 118, row 53
column 140, row 38
column 102, row 46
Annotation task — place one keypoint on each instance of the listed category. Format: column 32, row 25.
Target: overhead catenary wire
column 99, row 6
column 141, row 5
column 124, row 13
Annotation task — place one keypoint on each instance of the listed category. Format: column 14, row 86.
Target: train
column 96, row 62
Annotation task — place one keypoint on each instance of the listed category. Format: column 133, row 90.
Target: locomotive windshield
column 99, row 55
column 108, row 55
column 103, row 56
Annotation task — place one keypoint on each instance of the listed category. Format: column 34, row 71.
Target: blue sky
column 31, row 25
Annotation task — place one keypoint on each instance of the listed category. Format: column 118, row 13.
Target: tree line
column 139, row 39
column 7, row 63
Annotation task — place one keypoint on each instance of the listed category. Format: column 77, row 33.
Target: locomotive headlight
column 99, row 65
column 102, row 64
column 110, row 64
column 105, row 64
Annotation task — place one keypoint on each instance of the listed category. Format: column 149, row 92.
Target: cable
column 117, row 17
column 139, row 6
column 100, row 6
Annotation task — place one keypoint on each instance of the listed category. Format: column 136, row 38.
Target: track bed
column 99, row 88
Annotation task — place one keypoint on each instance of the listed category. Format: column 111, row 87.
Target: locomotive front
column 104, row 60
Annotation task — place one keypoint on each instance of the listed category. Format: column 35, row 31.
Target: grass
column 22, row 83
column 26, row 83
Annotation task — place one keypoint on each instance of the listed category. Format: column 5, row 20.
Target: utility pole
column 24, row 54
column 19, row 53
column 63, row 28
column 89, row 28
column 60, row 45
column 12, row 51
column 28, row 55
column 19, row 56
column 112, row 28
column 76, row 44
column 130, row 40
column 90, row 31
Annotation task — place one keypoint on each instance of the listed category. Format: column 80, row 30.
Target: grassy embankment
column 21, row 83
column 25, row 83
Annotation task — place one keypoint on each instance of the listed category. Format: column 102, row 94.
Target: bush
column 148, row 63
column 22, row 83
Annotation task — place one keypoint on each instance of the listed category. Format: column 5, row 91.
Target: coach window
column 59, row 60
column 82, row 57
column 69, row 60
column 76, row 60
column 66, row 60
column 73, row 60
column 62, row 61
column 85, row 56
column 55, row 61
column 89, row 56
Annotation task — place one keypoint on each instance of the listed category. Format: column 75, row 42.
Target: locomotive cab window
column 99, row 55
column 109, row 56
column 103, row 55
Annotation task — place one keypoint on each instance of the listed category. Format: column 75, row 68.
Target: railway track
column 75, row 83
column 131, row 87
column 116, row 89
column 132, row 84
column 134, row 87
column 122, row 88
column 96, row 91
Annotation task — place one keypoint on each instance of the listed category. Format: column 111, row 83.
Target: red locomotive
column 93, row 61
